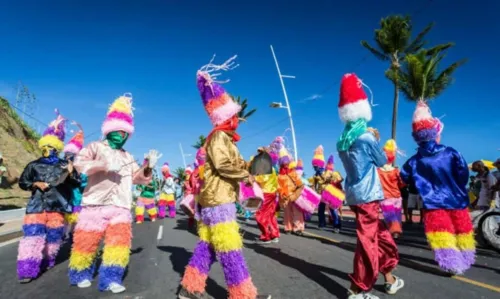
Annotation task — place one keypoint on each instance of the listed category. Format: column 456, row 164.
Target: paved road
column 315, row 266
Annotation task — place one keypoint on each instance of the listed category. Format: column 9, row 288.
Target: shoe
column 153, row 220
column 263, row 297
column 287, row 232
column 262, row 242
column 393, row 288
column 139, row 222
column 336, row 230
column 25, row 280
column 298, row 233
column 351, row 295
column 184, row 294
column 84, row 284
column 116, row 288
column 275, row 240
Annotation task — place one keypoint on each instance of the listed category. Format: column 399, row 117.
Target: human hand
column 152, row 156
column 42, row 186
column 69, row 167
column 375, row 133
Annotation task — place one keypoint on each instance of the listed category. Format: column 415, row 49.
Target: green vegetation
column 30, row 133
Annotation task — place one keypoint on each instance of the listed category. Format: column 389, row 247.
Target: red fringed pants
column 376, row 251
column 266, row 218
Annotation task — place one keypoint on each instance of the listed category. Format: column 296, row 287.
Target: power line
column 365, row 57
column 266, row 128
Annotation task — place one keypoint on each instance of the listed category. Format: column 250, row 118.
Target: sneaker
column 184, row 294
column 25, row 280
column 153, row 220
column 393, row 288
column 263, row 297
column 139, row 222
column 84, row 284
column 275, row 240
column 336, row 230
column 351, row 295
column 116, row 288
column 298, row 233
column 263, row 242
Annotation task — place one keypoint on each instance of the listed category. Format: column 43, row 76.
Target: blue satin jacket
column 440, row 175
column 362, row 184
column 78, row 191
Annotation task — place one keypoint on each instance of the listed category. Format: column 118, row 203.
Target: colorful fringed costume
column 391, row 182
column 167, row 195
column 146, row 202
column 331, row 196
column 266, row 215
column 224, row 168
column 440, row 175
column 358, row 148
column 106, row 202
column 51, row 189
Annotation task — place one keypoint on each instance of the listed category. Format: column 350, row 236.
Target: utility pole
column 183, row 156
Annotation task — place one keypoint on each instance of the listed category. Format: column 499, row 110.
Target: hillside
column 18, row 145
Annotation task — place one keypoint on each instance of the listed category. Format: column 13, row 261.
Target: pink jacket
column 108, row 188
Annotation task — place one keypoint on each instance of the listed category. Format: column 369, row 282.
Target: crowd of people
column 87, row 193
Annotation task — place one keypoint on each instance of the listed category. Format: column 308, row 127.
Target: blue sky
column 79, row 55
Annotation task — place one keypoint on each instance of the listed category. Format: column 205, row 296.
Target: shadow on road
column 312, row 271
column 182, row 224
column 180, row 258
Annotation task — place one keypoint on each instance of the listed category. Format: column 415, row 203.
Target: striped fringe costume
column 166, row 200
column 41, row 242
column 219, row 237
column 391, row 210
column 95, row 222
column 143, row 205
column 451, row 236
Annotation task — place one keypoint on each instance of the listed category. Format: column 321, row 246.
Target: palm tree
column 393, row 43
column 243, row 115
column 180, row 173
column 419, row 77
column 201, row 141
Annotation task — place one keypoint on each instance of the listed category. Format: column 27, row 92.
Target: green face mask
column 115, row 140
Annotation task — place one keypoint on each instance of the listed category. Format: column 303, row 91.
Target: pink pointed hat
column 75, row 144
column 217, row 102
column 54, row 134
column 120, row 116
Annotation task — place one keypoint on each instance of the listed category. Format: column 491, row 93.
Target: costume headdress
column 54, row 134
column 329, row 164
column 188, row 170
column 390, row 149
column 75, row 144
column 218, row 103
column 284, row 155
column 300, row 165
column 319, row 157
column 201, row 156
column 120, row 116
column 425, row 127
column 353, row 103
column 292, row 165
column 165, row 167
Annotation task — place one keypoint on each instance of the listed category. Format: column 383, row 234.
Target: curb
column 14, row 214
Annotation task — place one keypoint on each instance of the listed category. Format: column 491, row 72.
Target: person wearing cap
column 51, row 181
column 107, row 200
column 4, row 171
column 440, row 174
column 488, row 196
column 361, row 155
column 224, row 169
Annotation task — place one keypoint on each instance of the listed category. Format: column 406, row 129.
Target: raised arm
column 141, row 175
column 224, row 163
column 374, row 151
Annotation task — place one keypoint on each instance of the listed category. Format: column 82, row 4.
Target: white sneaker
column 84, row 284
column 116, row 288
column 393, row 288
column 275, row 240
column 361, row 296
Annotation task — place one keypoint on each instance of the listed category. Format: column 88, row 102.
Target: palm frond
column 419, row 42
column 379, row 55
column 439, row 48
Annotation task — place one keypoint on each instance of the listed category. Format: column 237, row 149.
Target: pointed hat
column 54, row 134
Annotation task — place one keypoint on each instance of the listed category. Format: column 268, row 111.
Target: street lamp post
column 183, row 155
column 280, row 105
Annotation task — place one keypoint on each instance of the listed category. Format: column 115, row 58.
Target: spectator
column 487, row 194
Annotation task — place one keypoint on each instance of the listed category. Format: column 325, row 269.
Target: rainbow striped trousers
column 145, row 204
column 41, row 242
column 451, row 236
column 112, row 223
column 219, row 238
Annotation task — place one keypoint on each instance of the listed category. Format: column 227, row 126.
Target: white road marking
column 160, row 233
column 10, row 242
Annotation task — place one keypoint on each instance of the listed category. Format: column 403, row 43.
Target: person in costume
column 333, row 178
column 223, row 170
column 146, row 202
column 71, row 150
column 290, row 187
column 51, row 181
column 266, row 214
column 196, row 181
column 440, row 175
column 107, row 201
column 358, row 148
column 167, row 196
column 318, row 164
column 391, row 184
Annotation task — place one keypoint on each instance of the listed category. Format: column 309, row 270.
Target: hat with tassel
column 75, row 144
column 425, row 127
column 284, row 155
column 319, row 157
column 55, row 133
column 120, row 116
column 218, row 103
column 329, row 164
column 390, row 149
column 353, row 103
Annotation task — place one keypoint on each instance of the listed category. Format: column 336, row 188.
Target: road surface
column 314, row 266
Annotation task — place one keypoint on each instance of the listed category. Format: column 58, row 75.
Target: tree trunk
column 395, row 109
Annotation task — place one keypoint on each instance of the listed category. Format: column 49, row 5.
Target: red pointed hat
column 353, row 103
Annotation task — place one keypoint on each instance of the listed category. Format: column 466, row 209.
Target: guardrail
column 12, row 214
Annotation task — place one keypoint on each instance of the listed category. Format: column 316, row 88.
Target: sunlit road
column 314, row 266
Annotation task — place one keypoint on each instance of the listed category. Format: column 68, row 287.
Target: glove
column 153, row 156
column 114, row 166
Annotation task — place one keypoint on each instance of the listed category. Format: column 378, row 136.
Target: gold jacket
column 224, row 169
